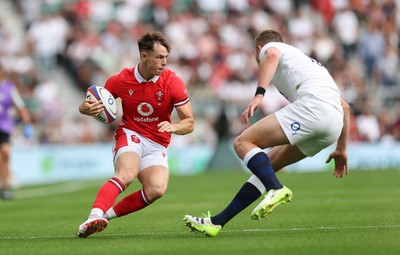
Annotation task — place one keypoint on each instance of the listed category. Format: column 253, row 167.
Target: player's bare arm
column 184, row 126
column 20, row 106
column 251, row 108
column 267, row 68
column 340, row 154
column 90, row 107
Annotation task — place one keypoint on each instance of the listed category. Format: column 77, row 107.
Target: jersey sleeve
column 111, row 85
column 179, row 92
column 267, row 46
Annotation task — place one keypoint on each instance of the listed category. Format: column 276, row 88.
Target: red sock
column 108, row 193
column 132, row 203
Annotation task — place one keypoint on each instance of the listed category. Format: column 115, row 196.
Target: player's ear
column 258, row 50
column 143, row 56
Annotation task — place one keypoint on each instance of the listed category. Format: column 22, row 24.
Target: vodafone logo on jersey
column 145, row 109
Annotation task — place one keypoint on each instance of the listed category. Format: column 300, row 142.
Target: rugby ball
column 99, row 93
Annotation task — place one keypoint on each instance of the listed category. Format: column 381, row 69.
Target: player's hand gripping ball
column 98, row 93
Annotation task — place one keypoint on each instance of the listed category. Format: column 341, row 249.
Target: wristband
column 260, row 91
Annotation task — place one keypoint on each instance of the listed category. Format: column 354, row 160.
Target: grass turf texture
column 359, row 214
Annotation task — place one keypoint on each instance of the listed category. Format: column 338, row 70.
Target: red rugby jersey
column 147, row 103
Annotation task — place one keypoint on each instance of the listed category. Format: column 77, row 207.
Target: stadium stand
column 58, row 48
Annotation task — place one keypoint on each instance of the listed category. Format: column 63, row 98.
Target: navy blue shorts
column 4, row 137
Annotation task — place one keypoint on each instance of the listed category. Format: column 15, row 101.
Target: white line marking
column 60, row 188
column 228, row 231
column 316, row 228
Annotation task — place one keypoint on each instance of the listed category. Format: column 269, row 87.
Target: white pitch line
column 61, row 188
column 227, row 231
column 316, row 228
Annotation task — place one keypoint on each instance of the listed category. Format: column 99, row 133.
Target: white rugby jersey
column 299, row 76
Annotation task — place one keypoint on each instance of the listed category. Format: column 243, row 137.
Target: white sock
column 96, row 213
column 257, row 183
column 110, row 214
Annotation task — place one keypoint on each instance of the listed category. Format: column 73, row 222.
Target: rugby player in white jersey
column 149, row 92
column 316, row 117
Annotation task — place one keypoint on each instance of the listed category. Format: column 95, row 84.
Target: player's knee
column 155, row 192
column 126, row 180
column 126, row 177
column 238, row 146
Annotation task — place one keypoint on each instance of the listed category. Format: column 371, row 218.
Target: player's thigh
column 265, row 133
column 284, row 155
column 5, row 150
column 127, row 167
column 154, row 180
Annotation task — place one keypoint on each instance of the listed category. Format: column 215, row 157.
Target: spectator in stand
column 354, row 136
column 301, row 29
column 47, row 37
column 388, row 67
column 396, row 124
column 367, row 124
column 385, row 125
column 371, row 48
column 346, row 26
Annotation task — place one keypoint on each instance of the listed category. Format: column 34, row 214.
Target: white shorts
column 311, row 125
column 150, row 153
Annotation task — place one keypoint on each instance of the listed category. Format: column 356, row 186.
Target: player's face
column 156, row 60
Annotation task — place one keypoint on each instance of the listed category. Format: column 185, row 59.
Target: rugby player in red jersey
column 149, row 92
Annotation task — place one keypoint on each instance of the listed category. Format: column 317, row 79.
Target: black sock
column 261, row 167
column 245, row 197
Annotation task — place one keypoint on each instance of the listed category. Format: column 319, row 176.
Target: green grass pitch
column 359, row 214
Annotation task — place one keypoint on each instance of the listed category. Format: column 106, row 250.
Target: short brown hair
column 267, row 36
column 147, row 41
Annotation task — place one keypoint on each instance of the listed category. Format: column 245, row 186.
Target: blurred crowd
column 212, row 50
